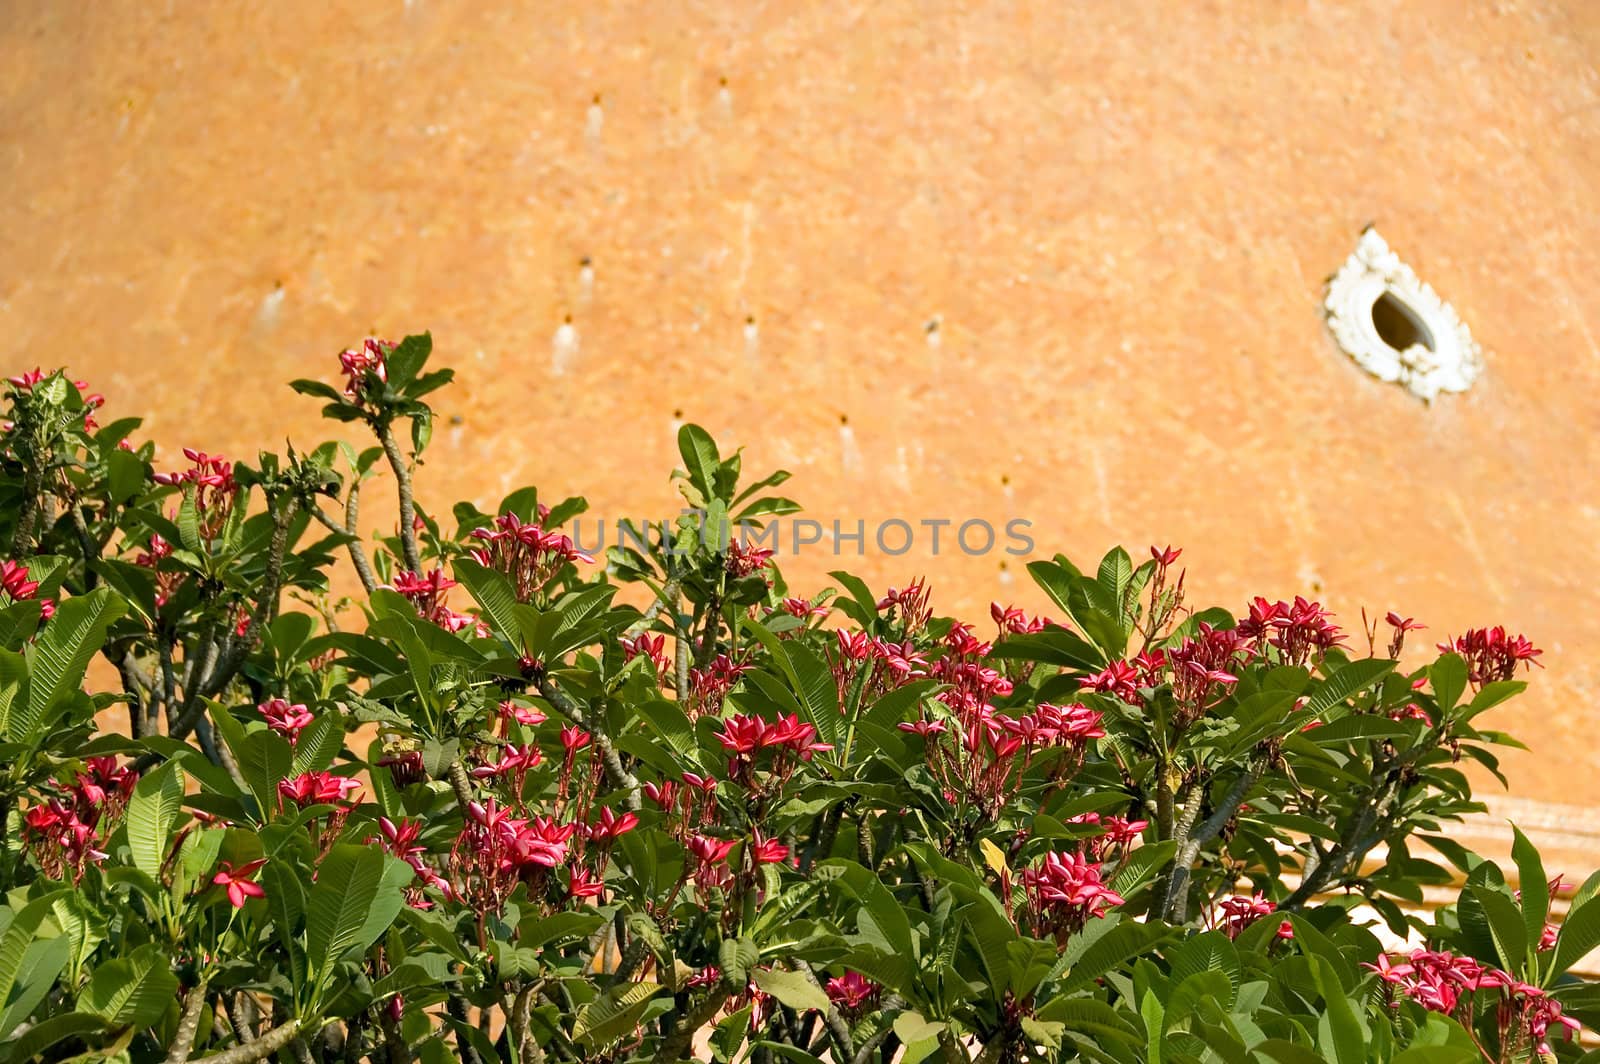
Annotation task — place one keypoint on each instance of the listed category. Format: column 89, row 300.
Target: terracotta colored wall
column 1122, row 214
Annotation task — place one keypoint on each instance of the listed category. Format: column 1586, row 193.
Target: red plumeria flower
column 238, row 882
column 521, row 714
column 608, row 826
column 581, row 883
column 706, row 785
column 542, row 841
column 1119, row 679
column 709, row 851
column 1492, row 653
column 285, row 719
column 1165, row 556
column 400, row 838
column 318, row 788
column 767, row 851
column 851, row 990
column 364, row 364
column 663, row 793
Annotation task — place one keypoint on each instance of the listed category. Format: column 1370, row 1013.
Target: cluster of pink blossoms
column 852, row 991
column 1296, row 629
column 167, row 583
column 65, row 834
column 92, row 401
column 980, row 758
column 689, row 805
column 526, row 552
column 371, row 359
column 428, row 593
column 745, row 560
column 1491, row 653
column 1438, row 980
column 912, row 604
column 18, row 588
column 1205, row 666
column 784, row 742
column 889, row 665
column 652, row 648
column 495, row 851
column 285, row 719
column 803, row 609
column 1011, row 620
column 1232, row 915
column 401, row 838
column 1064, row 892
column 709, row 686
column 1117, row 835
column 215, row 490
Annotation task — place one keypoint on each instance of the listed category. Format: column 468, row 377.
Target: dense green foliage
column 488, row 812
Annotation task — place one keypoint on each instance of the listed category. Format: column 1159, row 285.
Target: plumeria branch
column 408, row 512
column 1192, row 840
column 260, row 1049
column 677, row 1043
column 194, row 1004
column 595, row 724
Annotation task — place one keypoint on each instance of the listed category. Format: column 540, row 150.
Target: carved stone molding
column 1397, row 328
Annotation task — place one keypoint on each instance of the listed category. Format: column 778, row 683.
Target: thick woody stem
column 595, row 723
column 676, row 1045
column 408, row 512
column 194, row 1004
column 260, row 1049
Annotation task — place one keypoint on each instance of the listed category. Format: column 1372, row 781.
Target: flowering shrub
column 489, row 812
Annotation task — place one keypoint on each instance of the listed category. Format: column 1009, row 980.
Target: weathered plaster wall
column 1122, row 215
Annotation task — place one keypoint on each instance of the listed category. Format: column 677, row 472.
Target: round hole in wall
column 1398, row 325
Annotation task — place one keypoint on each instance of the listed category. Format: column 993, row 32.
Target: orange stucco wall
column 1121, row 215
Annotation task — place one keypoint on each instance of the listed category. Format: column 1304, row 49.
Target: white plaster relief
column 1397, row 328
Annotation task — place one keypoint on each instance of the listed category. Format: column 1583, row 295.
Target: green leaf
column 83, row 927
column 152, row 816
column 1580, row 934
column 131, row 991
column 1286, row 1052
column 1090, row 1016
column 1505, row 928
column 1209, row 951
column 1448, row 678
column 612, row 1015
column 736, row 957
column 1535, row 889
column 1155, row 1025
column 794, row 989
column 408, row 358
column 264, row 759
column 1346, row 681
column 912, row 1027
column 41, row 964
column 1344, row 1028
column 1116, row 573
column 1118, row 945
column 286, row 902
column 318, row 390
column 493, row 593
column 355, row 898
column 14, row 942
column 318, row 744
column 32, row 1043
column 58, row 657
column 700, row 460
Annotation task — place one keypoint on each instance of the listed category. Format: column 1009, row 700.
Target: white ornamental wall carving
column 1441, row 355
